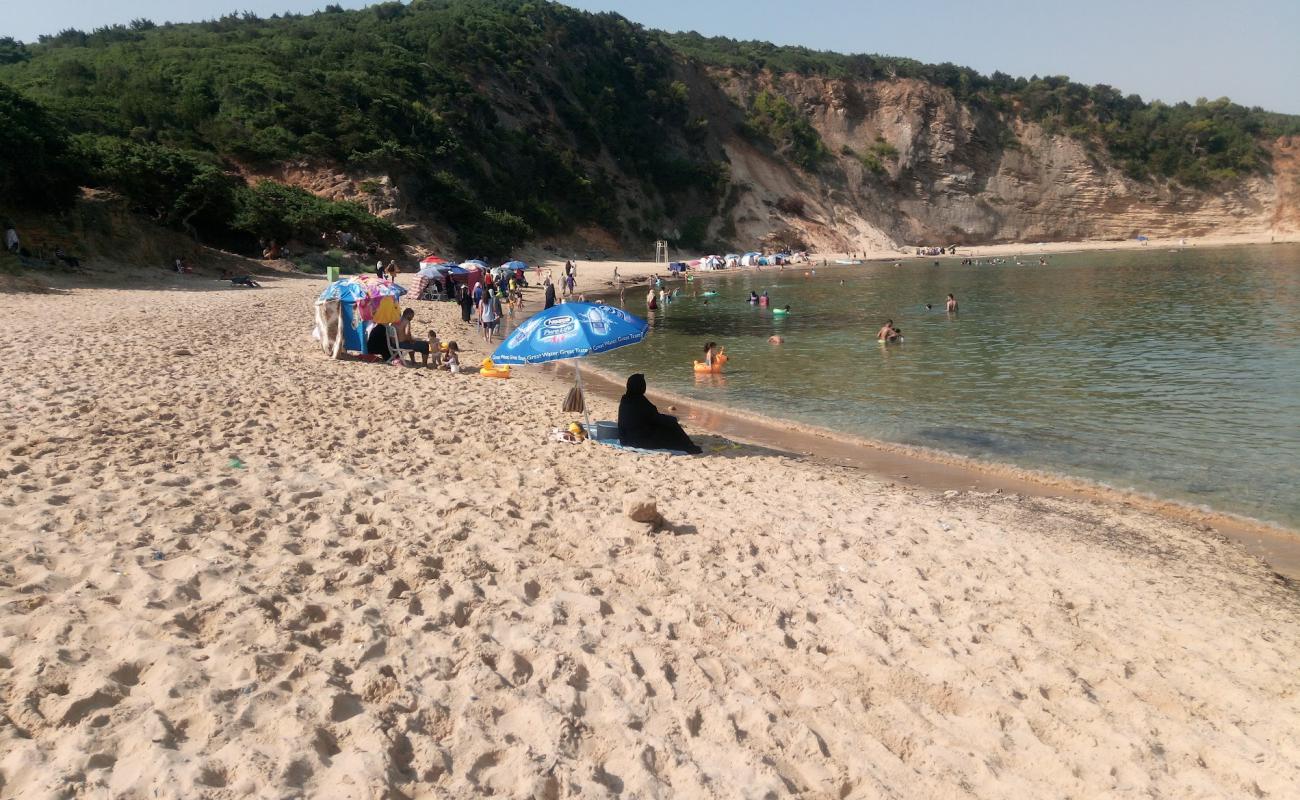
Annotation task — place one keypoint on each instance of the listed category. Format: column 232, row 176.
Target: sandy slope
column 406, row 591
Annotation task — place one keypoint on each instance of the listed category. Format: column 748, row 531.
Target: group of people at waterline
column 490, row 304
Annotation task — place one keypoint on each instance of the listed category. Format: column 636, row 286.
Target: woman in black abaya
column 641, row 425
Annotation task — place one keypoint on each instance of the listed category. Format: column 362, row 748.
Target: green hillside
column 504, row 120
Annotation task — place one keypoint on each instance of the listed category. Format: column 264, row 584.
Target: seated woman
column 377, row 343
column 641, row 425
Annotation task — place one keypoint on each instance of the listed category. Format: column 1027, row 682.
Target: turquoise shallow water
column 1176, row 373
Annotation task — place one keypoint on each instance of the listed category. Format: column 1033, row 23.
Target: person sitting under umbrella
column 641, row 425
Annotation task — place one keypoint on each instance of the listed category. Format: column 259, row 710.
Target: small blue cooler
column 605, row 431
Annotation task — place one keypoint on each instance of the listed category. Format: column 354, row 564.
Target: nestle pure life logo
column 557, row 329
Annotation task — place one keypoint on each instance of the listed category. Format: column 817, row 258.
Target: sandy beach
column 230, row 567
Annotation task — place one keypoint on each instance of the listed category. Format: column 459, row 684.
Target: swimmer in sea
column 888, row 333
column 775, row 340
column 929, row 307
column 711, row 352
column 952, row 304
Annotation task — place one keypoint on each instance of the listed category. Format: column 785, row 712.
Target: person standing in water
column 887, row 332
column 711, row 352
column 952, row 304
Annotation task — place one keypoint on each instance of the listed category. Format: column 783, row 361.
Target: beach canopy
column 474, row 262
column 570, row 330
column 435, row 269
column 361, row 289
column 346, row 305
column 514, row 265
column 432, row 260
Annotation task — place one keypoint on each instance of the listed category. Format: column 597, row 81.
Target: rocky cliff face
column 951, row 174
column 944, row 173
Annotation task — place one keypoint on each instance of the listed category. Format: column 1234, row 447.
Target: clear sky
column 1172, row 50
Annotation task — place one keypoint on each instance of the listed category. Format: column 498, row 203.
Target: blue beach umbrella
column 570, row 331
column 513, row 265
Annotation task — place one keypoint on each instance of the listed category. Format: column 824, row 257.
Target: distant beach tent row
column 733, row 260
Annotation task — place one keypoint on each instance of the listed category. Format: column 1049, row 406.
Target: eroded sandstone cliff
column 954, row 176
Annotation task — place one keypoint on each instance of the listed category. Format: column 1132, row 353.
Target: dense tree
column 501, row 117
column 37, row 165
column 410, row 89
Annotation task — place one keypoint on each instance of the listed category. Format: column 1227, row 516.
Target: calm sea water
column 1176, row 373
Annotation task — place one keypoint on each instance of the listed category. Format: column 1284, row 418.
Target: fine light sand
column 400, row 588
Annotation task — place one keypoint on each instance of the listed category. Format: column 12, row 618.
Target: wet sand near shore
column 939, row 471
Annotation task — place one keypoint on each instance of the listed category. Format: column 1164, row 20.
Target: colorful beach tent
column 437, row 272
column 346, row 305
column 434, row 270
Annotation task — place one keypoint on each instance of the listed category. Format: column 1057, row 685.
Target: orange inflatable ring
column 718, row 361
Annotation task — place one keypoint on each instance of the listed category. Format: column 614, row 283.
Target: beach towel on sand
column 641, row 450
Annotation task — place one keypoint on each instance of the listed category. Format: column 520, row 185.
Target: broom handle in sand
column 586, row 417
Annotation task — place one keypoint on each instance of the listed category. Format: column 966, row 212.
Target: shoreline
column 942, row 470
